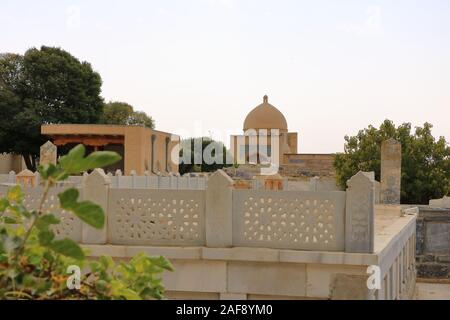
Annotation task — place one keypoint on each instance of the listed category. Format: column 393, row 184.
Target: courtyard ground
column 435, row 290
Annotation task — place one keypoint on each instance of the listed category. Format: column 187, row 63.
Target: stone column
column 391, row 171
column 48, row 153
column 96, row 189
column 359, row 214
column 219, row 211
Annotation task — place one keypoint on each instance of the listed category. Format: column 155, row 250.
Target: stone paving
column 432, row 291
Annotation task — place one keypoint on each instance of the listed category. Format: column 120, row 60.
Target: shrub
column 36, row 265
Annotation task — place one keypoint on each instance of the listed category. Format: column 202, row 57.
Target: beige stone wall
column 137, row 144
column 11, row 162
column 293, row 142
column 297, row 165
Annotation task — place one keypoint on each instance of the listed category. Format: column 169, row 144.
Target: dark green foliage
column 425, row 160
column 121, row 113
column 45, row 86
column 189, row 145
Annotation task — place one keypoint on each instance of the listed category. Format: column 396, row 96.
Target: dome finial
column 266, row 99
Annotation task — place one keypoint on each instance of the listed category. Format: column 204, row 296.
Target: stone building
column 266, row 137
column 142, row 149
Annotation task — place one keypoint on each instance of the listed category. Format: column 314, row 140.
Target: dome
column 265, row 116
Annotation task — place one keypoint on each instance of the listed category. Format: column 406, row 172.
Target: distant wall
column 297, row 165
column 433, row 243
column 313, row 184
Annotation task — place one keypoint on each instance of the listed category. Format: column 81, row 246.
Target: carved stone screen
column 156, row 217
column 289, row 220
column 69, row 226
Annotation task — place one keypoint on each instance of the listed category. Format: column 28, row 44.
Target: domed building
column 266, row 139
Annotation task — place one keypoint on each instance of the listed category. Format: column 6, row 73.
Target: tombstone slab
column 48, row 153
column 391, row 172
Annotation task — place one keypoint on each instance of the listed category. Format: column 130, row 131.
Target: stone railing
column 133, row 181
column 306, row 220
column 70, row 225
column 222, row 216
column 396, row 252
column 230, row 243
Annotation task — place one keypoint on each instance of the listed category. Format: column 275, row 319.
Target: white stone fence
column 147, row 181
column 221, row 216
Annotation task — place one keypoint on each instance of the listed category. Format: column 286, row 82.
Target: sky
column 199, row 66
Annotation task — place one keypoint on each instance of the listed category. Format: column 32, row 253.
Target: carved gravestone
column 359, row 214
column 391, row 171
column 48, row 153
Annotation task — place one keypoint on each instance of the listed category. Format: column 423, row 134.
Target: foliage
column 425, row 160
column 121, row 113
column 208, row 145
column 34, row 264
column 46, row 85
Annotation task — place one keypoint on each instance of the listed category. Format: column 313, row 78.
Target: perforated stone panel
column 156, row 217
column 289, row 220
column 70, row 225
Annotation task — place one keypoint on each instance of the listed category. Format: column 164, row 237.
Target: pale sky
column 199, row 66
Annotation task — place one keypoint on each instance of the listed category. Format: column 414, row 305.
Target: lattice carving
column 70, row 225
column 290, row 219
column 157, row 217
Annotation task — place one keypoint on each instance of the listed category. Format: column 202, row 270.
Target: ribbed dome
column 265, row 116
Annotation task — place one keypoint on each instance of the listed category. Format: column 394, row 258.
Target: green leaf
column 100, row 159
column 15, row 194
column 9, row 220
column 68, row 198
column 4, row 204
column 43, row 222
column 71, row 162
column 49, row 170
column 87, row 211
column 90, row 213
column 20, row 209
column 46, row 237
column 67, row 248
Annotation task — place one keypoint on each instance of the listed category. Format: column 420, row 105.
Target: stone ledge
column 181, row 253
column 235, row 254
column 316, row 257
column 241, row 254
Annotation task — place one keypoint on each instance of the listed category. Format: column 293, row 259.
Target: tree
column 209, row 149
column 122, row 113
column 425, row 160
column 35, row 265
column 116, row 113
column 44, row 86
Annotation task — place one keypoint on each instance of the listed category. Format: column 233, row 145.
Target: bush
column 425, row 160
column 36, row 265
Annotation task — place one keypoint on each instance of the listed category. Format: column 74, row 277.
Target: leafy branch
column 34, row 264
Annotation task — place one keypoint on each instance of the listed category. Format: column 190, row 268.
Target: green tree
column 425, row 160
column 122, row 113
column 44, row 86
column 188, row 152
column 116, row 113
column 34, row 264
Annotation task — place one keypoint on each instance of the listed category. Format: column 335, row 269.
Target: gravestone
column 48, row 153
column 391, row 171
column 360, row 214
